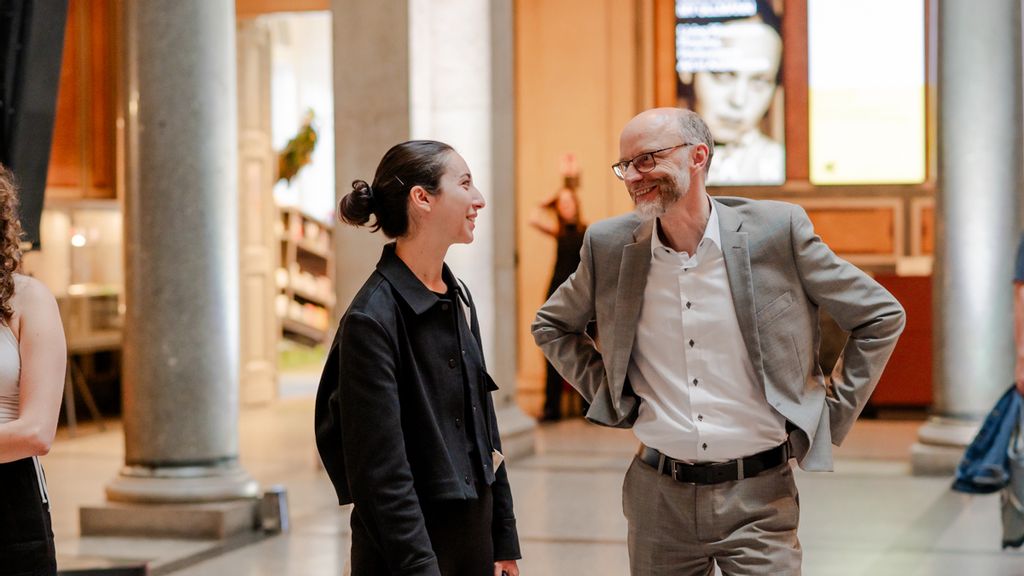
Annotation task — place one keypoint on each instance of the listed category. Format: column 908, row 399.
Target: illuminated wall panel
column 866, row 97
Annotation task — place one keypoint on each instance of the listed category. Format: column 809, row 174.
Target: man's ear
column 420, row 199
column 699, row 158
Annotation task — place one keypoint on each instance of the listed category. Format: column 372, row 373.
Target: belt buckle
column 676, row 467
column 699, row 473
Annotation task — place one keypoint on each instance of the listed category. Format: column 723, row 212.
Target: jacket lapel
column 741, row 282
column 629, row 296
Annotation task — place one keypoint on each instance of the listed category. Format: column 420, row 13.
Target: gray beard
column 670, row 191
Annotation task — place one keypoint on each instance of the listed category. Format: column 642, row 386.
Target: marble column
column 440, row 70
column 463, row 93
column 181, row 256
column 517, row 427
column 977, row 223
column 371, row 114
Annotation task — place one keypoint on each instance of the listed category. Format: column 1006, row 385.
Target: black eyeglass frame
column 620, row 168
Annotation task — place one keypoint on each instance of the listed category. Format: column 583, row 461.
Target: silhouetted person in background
column 559, row 218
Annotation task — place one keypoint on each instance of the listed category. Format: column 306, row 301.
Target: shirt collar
column 407, row 285
column 711, row 231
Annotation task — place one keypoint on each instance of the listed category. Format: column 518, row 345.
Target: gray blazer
column 779, row 272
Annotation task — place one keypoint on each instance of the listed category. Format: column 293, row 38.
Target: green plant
column 299, row 150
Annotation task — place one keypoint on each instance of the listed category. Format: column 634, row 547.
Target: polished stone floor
column 869, row 517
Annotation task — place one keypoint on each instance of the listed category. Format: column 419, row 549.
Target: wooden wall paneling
column 865, row 231
column 907, row 380
column 81, row 10
column 795, row 86
column 644, row 54
column 931, row 62
column 102, row 77
column 922, row 227
column 665, row 53
column 83, row 156
column 64, row 175
column 250, row 8
column 577, row 83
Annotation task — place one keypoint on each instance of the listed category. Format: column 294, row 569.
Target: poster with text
column 729, row 65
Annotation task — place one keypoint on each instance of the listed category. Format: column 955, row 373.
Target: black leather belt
column 714, row 473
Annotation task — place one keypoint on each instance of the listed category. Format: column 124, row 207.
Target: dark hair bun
column 357, row 206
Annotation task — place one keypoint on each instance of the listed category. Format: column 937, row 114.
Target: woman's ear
column 420, row 199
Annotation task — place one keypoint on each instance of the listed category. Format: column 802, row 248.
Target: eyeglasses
column 644, row 162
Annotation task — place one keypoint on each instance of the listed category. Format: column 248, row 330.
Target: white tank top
column 10, row 372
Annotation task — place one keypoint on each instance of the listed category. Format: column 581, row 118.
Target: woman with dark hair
column 32, row 359
column 405, row 424
column 567, row 229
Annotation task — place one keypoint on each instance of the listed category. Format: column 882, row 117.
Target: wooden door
column 259, row 326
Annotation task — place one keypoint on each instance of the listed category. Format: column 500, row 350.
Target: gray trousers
column 747, row 527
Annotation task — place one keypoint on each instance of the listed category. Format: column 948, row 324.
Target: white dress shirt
column 700, row 398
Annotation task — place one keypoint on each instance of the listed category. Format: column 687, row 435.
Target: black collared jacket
column 404, row 413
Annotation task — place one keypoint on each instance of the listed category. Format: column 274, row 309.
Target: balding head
column 660, row 127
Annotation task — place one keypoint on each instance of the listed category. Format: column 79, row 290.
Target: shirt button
column 474, row 407
column 704, row 446
column 694, row 381
column 452, row 362
column 688, row 305
column 700, row 417
column 444, row 306
column 466, row 479
column 458, row 422
column 691, row 343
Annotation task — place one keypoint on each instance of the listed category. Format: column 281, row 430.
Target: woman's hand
column 504, row 567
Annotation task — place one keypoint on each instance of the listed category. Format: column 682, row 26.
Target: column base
column 185, row 484
column 205, row 521
column 518, row 431
column 940, row 445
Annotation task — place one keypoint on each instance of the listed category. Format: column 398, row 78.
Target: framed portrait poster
column 729, row 68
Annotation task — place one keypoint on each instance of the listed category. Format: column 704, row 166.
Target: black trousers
column 26, row 536
column 553, row 386
column 460, row 533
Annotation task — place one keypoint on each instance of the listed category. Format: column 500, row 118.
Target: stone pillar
column 371, row 114
column 181, row 256
column 442, row 71
column 517, row 428
column 977, row 222
column 462, row 93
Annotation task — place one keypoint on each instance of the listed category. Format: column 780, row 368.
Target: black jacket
column 404, row 413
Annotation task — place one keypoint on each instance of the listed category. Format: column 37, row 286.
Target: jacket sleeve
column 559, row 329
column 504, row 534
column 861, row 306
column 379, row 476
column 503, row 524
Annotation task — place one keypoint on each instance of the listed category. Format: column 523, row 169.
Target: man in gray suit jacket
column 707, row 313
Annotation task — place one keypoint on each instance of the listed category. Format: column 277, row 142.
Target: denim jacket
column 985, row 466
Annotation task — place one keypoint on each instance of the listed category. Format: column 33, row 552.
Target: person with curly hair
column 33, row 354
column 405, row 424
